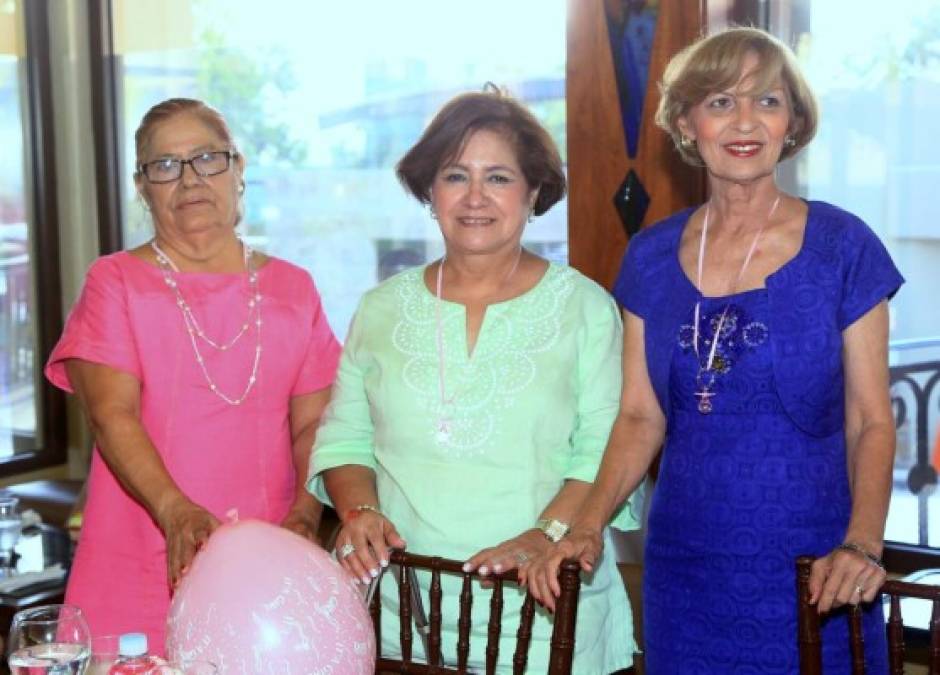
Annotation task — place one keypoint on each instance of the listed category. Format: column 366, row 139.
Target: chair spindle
column 463, row 624
column 895, row 637
column 404, row 612
column 434, row 639
column 523, row 636
column 495, row 627
column 856, row 640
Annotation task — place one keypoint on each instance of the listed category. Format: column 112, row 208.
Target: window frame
column 43, row 223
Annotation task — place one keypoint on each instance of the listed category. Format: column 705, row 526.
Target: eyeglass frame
column 229, row 155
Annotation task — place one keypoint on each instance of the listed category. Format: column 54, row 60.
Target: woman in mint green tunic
column 475, row 395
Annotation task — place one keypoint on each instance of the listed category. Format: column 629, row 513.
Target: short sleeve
column 346, row 434
column 98, row 328
column 600, row 378
column 869, row 274
column 322, row 352
column 628, row 288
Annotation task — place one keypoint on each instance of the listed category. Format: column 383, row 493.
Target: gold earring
column 685, row 141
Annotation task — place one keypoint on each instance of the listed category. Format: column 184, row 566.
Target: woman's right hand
column 187, row 527
column 541, row 573
column 363, row 543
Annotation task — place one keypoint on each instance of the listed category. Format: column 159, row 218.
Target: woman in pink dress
column 203, row 368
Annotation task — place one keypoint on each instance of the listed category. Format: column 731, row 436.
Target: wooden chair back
column 810, row 641
column 562, row 642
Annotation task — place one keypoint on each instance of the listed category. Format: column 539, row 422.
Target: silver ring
column 346, row 550
column 522, row 557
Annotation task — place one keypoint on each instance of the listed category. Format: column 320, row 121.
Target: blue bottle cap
column 132, row 644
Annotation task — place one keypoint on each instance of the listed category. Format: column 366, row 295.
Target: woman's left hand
column 301, row 520
column 512, row 554
column 844, row 577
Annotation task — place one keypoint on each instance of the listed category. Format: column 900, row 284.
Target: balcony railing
column 914, row 393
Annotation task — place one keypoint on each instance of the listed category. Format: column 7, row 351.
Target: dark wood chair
column 808, row 625
column 411, row 611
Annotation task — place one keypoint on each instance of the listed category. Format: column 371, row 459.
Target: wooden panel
column 597, row 158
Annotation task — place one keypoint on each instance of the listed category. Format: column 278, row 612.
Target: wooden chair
column 562, row 642
column 808, row 625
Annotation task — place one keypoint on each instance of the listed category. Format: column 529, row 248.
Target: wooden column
column 597, row 156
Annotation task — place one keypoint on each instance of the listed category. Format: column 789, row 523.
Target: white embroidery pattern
column 483, row 388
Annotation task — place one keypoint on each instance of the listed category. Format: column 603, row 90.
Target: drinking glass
column 49, row 640
column 10, row 526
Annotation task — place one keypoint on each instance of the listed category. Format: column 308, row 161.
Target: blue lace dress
column 741, row 493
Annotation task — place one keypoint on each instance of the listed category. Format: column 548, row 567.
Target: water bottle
column 134, row 659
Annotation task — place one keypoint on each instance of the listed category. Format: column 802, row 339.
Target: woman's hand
column 301, row 520
column 844, row 577
column 541, row 573
column 511, row 554
column 363, row 542
column 187, row 527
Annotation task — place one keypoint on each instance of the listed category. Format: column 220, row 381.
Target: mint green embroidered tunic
column 531, row 407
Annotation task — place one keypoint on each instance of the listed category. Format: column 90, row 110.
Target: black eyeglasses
column 205, row 164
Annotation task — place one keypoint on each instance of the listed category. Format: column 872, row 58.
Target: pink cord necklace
column 705, row 377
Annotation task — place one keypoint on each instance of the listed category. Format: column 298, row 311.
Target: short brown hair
column 714, row 63
column 171, row 107
column 448, row 132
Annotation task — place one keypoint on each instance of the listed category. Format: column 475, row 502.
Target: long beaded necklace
column 444, row 420
column 196, row 332
column 705, row 376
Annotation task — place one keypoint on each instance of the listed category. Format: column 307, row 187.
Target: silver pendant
column 443, row 430
column 704, row 401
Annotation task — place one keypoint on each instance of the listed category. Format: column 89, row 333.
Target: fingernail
column 366, row 580
column 374, row 572
column 497, row 568
column 383, row 563
column 355, row 581
column 466, row 567
column 484, row 570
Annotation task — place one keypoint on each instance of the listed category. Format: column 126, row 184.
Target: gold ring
column 859, row 590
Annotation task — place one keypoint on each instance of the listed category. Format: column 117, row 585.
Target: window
column 878, row 83
column 324, row 100
column 31, row 430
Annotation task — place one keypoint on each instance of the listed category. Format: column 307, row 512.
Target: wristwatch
column 553, row 529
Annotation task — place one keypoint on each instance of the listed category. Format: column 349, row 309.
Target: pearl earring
column 789, row 141
column 432, row 212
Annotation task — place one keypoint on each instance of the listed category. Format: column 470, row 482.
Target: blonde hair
column 715, row 63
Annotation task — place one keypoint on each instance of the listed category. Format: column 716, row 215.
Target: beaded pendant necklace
column 445, row 420
column 197, row 334
column 706, row 373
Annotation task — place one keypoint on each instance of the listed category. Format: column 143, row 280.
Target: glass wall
column 875, row 67
column 19, row 357
column 324, row 98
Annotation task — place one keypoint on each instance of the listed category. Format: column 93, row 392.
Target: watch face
column 555, row 530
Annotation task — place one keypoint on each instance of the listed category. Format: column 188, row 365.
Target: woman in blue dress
column 755, row 355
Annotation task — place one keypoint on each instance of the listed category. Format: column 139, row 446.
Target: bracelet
column 852, row 546
column 356, row 511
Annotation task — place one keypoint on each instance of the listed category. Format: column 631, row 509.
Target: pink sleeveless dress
column 223, row 457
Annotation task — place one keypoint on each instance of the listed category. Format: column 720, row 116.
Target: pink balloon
column 261, row 600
